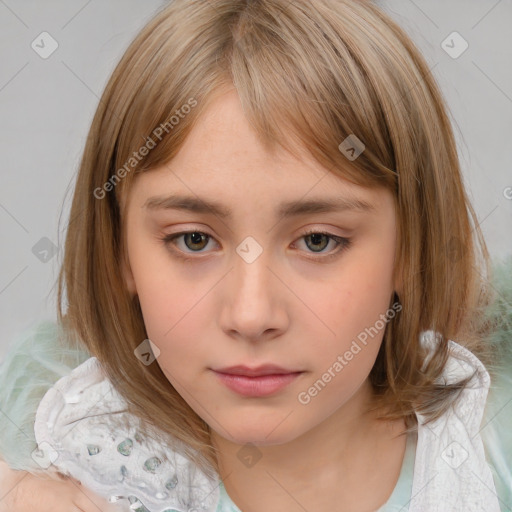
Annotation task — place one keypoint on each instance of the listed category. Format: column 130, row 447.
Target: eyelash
column 342, row 244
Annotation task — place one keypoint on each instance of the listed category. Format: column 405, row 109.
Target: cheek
column 348, row 320
column 175, row 319
column 159, row 310
column 175, row 311
column 352, row 301
column 166, row 296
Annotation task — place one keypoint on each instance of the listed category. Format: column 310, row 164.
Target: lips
column 246, row 371
column 260, row 381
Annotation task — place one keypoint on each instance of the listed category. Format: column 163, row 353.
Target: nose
column 254, row 300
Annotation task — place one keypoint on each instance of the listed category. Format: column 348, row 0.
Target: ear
column 128, row 277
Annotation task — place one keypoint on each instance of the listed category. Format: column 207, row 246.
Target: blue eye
column 196, row 241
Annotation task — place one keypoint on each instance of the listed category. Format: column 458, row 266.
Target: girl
column 273, row 282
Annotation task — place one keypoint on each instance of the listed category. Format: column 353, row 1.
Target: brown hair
column 306, row 72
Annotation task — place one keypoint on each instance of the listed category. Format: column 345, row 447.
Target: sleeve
column 496, row 428
column 36, row 359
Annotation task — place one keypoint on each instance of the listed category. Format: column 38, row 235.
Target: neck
column 341, row 452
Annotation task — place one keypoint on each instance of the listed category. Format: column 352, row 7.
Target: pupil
column 316, row 238
column 195, row 239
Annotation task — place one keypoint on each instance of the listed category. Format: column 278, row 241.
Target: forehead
column 222, row 161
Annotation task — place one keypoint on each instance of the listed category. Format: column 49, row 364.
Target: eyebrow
column 285, row 210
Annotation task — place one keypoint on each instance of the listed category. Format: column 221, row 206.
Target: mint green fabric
column 496, row 430
column 38, row 358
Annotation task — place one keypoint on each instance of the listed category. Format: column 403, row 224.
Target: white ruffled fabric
column 82, row 429
column 450, row 470
column 74, row 429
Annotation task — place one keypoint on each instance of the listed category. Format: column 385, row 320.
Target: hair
column 307, row 73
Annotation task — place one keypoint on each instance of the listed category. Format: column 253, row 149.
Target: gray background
column 47, row 106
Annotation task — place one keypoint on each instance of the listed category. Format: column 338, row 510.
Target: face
column 245, row 285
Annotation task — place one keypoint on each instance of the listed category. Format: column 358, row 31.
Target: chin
column 266, row 433
column 260, row 440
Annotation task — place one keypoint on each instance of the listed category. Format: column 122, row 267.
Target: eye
column 319, row 240
column 195, row 241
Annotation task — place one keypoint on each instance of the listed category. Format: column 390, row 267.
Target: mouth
column 256, row 382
